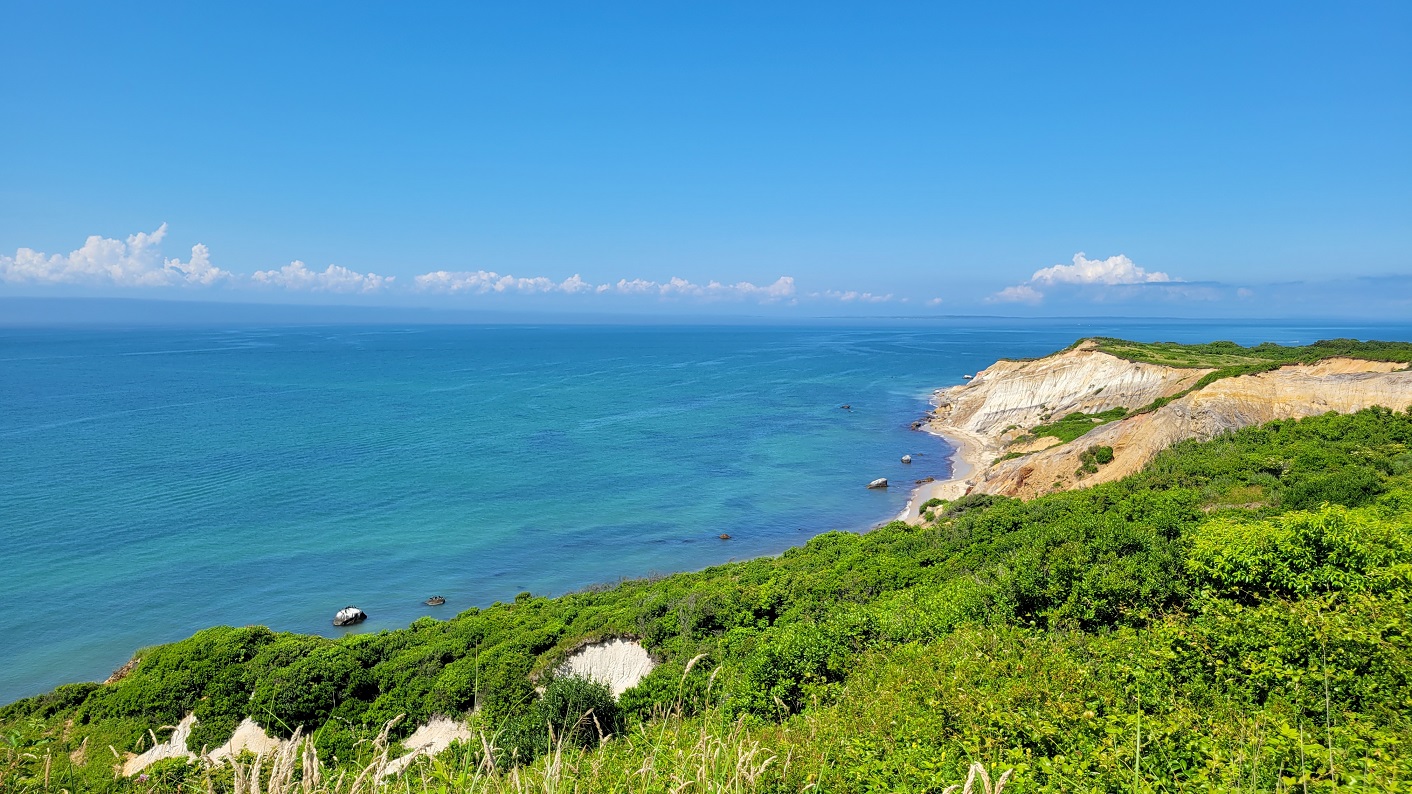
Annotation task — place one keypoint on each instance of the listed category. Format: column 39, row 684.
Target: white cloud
column 637, row 286
column 851, row 296
column 1113, row 270
column 1084, row 272
column 575, row 284
column 483, row 281
column 104, row 261
column 781, row 290
column 935, row 302
column 1020, row 293
column 334, row 278
column 137, row 261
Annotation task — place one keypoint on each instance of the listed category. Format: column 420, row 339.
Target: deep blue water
column 157, row 481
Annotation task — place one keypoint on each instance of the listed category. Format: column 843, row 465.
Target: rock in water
column 435, row 601
column 880, row 482
column 906, row 458
column 349, row 616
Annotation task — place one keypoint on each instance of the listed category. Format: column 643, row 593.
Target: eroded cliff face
column 1021, row 393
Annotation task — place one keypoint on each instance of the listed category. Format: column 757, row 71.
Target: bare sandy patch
column 620, row 663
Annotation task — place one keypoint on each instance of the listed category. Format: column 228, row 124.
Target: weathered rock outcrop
column 986, row 412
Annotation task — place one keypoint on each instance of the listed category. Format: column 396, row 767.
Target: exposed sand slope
column 173, row 747
column 1296, row 391
column 247, row 736
column 619, row 663
column 430, row 739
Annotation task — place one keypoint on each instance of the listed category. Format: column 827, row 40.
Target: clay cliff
column 993, row 413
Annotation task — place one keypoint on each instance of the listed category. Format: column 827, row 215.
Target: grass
column 1074, row 425
column 709, row 754
column 1223, row 355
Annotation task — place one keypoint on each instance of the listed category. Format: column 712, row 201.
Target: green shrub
column 1077, row 424
column 794, row 664
column 1304, row 553
column 579, row 712
column 307, row 692
column 670, row 689
column 1093, row 457
column 170, row 681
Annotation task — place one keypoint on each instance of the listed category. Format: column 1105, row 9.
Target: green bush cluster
column 1093, row 457
column 1076, row 424
column 574, row 711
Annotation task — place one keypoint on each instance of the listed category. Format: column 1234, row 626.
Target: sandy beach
column 968, row 461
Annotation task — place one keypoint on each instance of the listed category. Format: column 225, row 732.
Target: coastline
column 967, row 461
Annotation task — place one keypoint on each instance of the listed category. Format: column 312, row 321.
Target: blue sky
column 1240, row 159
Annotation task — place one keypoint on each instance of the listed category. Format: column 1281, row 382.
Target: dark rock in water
column 435, row 601
column 917, row 425
column 926, row 480
column 880, row 482
column 724, row 536
column 349, row 616
column 846, row 407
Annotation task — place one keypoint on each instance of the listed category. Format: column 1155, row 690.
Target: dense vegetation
column 1234, row 617
column 1073, row 425
column 1221, row 355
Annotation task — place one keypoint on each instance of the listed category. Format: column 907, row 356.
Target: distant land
column 42, row 311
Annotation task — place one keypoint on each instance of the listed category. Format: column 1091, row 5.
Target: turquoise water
column 158, row 481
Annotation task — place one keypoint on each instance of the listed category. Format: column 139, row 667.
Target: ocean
column 155, row 481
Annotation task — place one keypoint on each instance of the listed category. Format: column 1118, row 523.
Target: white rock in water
column 348, row 616
column 906, row 458
column 880, row 482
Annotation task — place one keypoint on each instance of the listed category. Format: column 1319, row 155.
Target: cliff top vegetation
column 1226, row 355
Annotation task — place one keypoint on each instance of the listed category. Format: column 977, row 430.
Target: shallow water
column 158, row 481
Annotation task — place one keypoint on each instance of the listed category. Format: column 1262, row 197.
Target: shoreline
column 966, row 461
